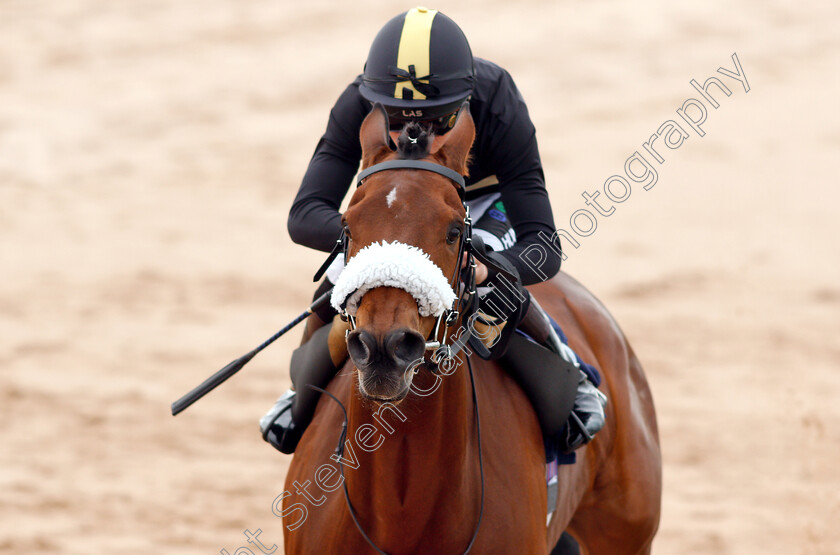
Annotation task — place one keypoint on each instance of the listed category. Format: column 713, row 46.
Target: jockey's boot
column 587, row 415
column 321, row 316
column 277, row 426
column 315, row 362
column 322, row 351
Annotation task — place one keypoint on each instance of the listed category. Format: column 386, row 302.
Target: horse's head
column 405, row 228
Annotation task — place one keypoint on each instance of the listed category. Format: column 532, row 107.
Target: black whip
column 235, row 366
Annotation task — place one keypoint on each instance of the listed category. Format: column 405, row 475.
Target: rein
column 339, row 451
column 464, row 303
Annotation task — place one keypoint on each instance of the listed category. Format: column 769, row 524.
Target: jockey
column 421, row 69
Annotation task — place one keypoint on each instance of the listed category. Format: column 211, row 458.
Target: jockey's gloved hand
column 587, row 416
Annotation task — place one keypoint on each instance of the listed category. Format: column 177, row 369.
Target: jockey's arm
column 516, row 163
column 314, row 219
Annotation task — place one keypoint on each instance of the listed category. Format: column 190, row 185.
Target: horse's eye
column 347, row 231
column 453, row 235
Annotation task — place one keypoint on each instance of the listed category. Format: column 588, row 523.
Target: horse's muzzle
column 382, row 361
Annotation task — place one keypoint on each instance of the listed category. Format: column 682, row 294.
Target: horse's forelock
column 414, row 142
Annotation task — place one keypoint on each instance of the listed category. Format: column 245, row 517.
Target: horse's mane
column 414, row 141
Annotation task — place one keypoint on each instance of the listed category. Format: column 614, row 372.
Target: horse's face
column 412, row 207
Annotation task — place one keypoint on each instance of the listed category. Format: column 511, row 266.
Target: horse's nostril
column 405, row 346
column 361, row 346
column 400, row 347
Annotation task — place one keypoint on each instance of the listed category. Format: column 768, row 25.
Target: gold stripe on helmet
column 414, row 48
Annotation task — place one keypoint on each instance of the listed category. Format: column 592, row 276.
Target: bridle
column 441, row 348
column 465, row 303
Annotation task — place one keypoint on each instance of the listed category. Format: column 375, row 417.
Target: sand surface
column 149, row 152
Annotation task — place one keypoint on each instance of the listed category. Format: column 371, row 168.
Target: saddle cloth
column 551, row 467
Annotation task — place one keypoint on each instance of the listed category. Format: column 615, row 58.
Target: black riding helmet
column 420, row 67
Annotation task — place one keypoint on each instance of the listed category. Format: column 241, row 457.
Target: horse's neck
column 416, row 459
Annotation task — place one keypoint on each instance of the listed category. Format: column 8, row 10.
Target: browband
column 412, row 165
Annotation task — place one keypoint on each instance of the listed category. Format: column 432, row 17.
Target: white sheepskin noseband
column 393, row 265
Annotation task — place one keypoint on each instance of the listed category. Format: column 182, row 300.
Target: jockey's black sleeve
column 314, row 220
column 505, row 147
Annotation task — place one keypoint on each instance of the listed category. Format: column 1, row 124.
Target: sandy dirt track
column 149, row 152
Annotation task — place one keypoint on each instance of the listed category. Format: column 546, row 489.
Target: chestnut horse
column 421, row 468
